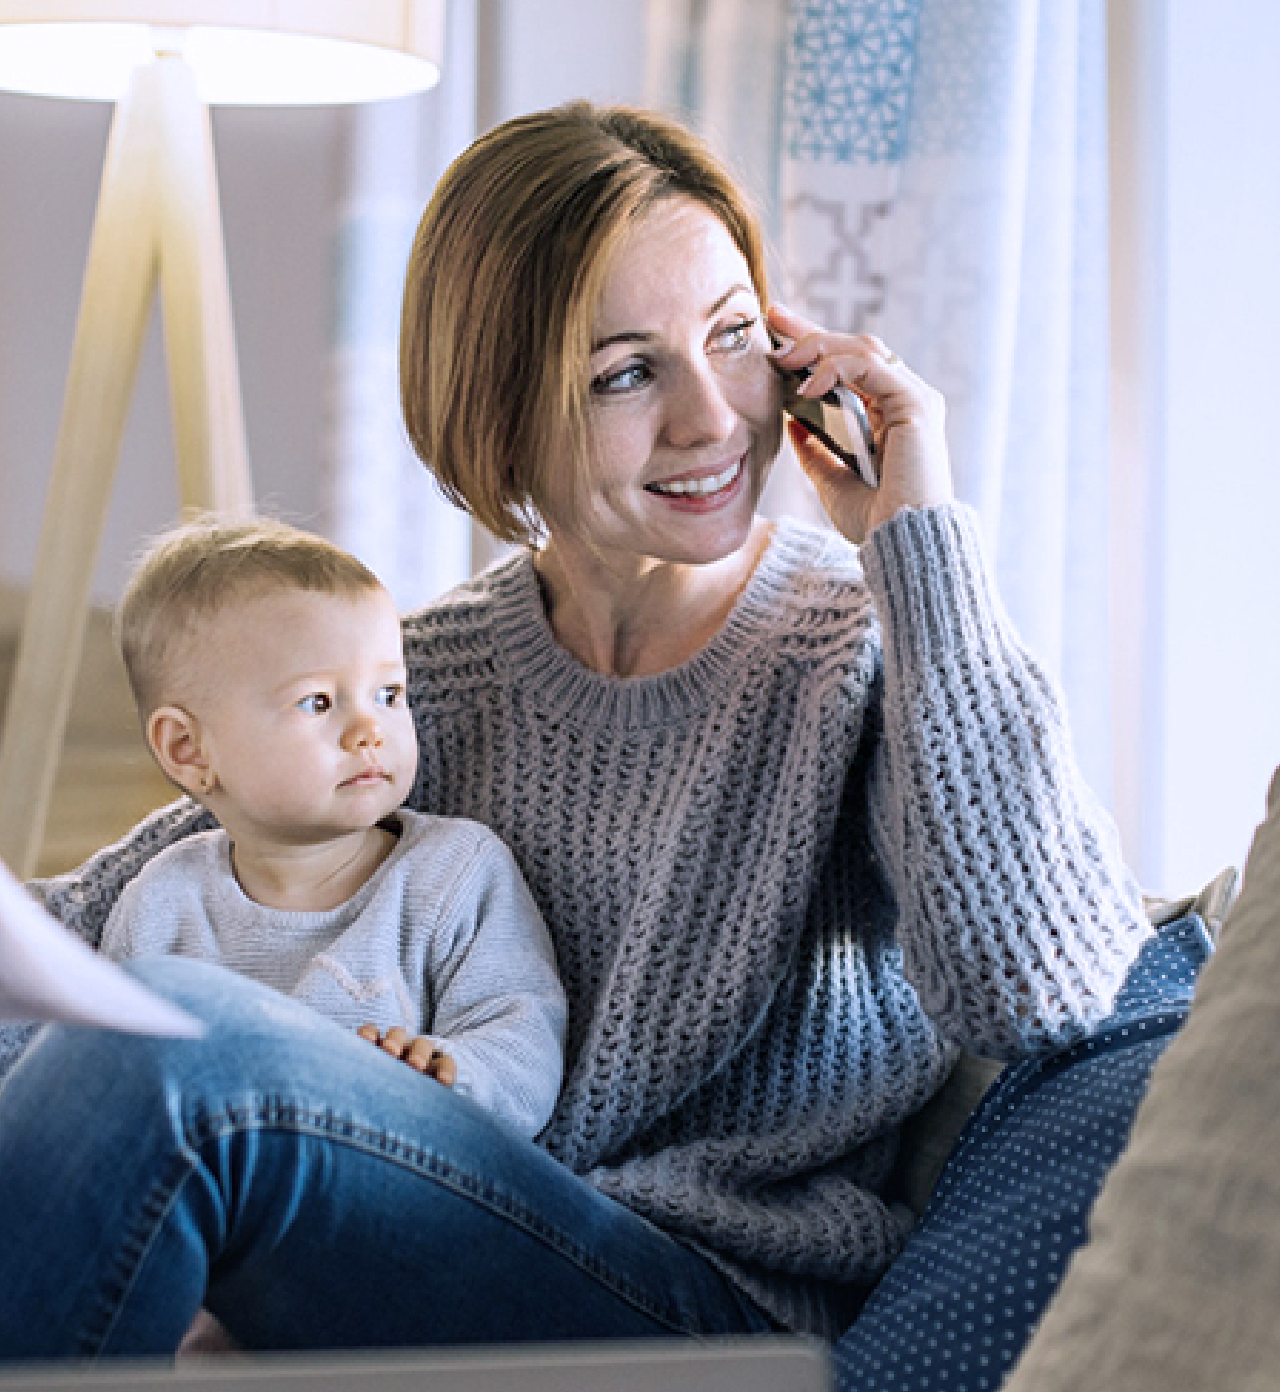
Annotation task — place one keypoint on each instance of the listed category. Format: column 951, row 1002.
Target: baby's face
column 303, row 711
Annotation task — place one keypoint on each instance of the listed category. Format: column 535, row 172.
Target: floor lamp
column 157, row 233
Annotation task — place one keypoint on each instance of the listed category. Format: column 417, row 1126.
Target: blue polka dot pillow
column 1011, row 1205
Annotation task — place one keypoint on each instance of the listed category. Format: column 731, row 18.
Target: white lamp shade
column 244, row 52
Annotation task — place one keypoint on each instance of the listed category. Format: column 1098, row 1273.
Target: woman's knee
column 149, row 1081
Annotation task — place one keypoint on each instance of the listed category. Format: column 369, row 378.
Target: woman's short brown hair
column 503, row 282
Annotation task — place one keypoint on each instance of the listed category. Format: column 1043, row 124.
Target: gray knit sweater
column 784, row 880
column 443, row 939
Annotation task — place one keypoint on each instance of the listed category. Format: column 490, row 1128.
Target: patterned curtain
column 935, row 171
column 380, row 502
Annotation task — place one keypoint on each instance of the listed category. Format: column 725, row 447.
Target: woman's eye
column 737, row 336
column 318, row 703
column 630, row 377
column 389, row 696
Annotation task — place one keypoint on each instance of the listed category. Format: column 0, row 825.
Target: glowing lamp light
column 158, row 230
column 247, row 54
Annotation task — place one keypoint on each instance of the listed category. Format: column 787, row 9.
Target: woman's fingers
column 906, row 414
column 828, row 358
column 787, row 324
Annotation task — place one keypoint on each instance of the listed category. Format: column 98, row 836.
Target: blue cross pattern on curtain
column 934, row 171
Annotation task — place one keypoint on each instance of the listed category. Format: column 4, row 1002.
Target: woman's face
column 684, row 409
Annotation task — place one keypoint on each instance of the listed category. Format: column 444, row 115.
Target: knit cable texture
column 784, row 881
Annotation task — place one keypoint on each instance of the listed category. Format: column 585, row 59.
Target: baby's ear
column 175, row 740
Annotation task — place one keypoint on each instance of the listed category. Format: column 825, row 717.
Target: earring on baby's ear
column 208, row 782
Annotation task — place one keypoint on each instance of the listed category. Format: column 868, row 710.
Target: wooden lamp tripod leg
column 204, row 381
column 142, row 230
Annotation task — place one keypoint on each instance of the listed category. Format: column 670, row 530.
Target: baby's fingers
column 420, row 1052
column 426, row 1055
column 444, row 1069
column 395, row 1041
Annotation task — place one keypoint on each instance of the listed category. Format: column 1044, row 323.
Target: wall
column 277, row 174
column 1221, row 622
column 545, row 51
column 1208, row 640
column 280, row 174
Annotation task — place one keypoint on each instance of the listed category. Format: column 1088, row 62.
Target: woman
column 802, row 820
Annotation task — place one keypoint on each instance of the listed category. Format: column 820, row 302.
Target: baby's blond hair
column 192, row 572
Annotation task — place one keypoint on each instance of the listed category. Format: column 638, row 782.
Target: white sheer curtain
column 380, row 502
column 935, row 171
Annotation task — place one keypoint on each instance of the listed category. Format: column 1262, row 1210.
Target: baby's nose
column 364, row 733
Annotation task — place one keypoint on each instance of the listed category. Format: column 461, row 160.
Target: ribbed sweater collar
column 565, row 689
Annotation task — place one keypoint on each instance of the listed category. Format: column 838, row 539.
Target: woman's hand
column 906, row 415
column 420, row 1052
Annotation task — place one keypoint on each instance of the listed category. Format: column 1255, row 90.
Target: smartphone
column 838, row 418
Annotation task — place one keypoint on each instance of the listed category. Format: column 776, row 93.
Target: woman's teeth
column 700, row 488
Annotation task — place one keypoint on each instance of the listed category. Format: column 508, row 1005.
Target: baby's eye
column 630, row 377
column 318, row 703
column 392, row 695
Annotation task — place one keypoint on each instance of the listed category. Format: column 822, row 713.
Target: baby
column 268, row 669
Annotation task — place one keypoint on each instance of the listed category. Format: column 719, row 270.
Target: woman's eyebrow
column 647, row 335
column 625, row 336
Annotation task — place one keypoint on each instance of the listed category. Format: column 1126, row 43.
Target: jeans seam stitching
column 157, row 1204
column 334, row 1127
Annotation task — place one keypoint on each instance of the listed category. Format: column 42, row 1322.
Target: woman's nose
column 700, row 413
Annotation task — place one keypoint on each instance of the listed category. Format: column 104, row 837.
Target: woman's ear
column 176, row 741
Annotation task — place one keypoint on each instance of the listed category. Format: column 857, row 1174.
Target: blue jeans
column 310, row 1191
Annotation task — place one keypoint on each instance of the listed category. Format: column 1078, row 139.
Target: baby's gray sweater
column 784, row 880
column 444, row 939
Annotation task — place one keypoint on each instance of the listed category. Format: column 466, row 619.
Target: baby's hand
column 420, row 1052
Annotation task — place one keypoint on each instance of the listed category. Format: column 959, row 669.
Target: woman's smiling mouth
column 699, row 487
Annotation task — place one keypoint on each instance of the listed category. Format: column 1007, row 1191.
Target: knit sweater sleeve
column 499, row 1007
column 82, row 898
column 1017, row 915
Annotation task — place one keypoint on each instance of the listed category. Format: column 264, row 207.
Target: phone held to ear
column 838, row 418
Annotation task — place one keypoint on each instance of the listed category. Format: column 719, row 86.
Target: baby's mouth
column 374, row 774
